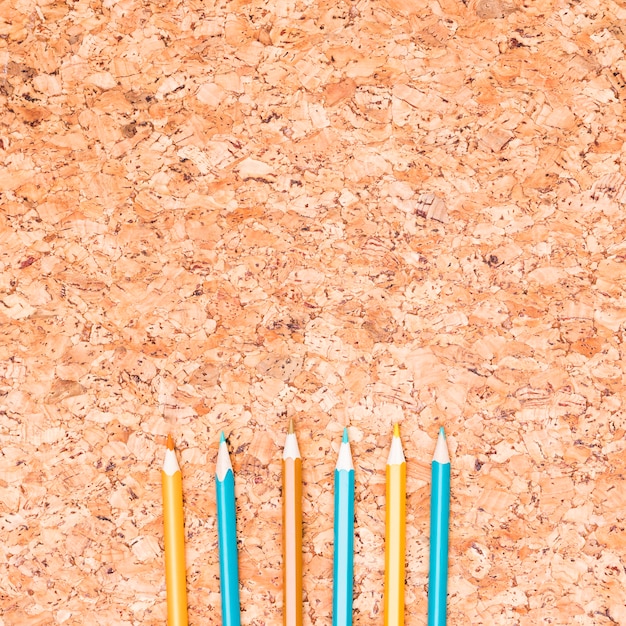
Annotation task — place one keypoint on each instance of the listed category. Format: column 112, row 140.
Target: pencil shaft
column 227, row 541
column 343, row 569
column 395, row 515
column 174, row 541
column 292, row 541
column 439, row 524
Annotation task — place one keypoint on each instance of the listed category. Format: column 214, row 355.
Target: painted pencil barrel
column 292, row 542
column 343, row 567
column 395, row 515
column 439, row 524
column 174, row 540
column 227, row 541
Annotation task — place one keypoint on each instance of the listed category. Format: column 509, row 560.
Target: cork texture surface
column 219, row 216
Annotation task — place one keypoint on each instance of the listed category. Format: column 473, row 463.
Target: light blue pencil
column 227, row 537
column 343, row 567
column 439, row 528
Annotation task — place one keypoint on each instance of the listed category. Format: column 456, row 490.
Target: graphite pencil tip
column 290, row 430
column 396, row 430
column 345, row 439
column 170, row 442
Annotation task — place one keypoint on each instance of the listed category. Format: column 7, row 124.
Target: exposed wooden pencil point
column 170, row 442
column 441, row 448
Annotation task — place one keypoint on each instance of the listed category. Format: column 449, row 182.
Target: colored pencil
column 395, row 516
column 343, row 566
column 174, row 538
column 227, row 537
column 292, row 531
column 439, row 528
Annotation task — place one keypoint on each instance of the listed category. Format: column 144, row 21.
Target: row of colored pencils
column 343, row 569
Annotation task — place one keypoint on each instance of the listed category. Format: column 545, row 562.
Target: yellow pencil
column 292, row 531
column 174, row 538
column 395, row 532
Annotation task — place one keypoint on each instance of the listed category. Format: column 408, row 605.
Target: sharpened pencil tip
column 344, row 459
column 290, row 429
column 441, row 449
column 396, row 430
column 222, row 438
column 170, row 442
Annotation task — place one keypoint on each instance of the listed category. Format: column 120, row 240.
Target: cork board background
column 218, row 216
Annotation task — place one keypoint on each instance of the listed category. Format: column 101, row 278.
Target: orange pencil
column 174, row 538
column 292, row 531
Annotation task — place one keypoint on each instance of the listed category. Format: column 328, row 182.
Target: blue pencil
column 439, row 528
column 227, row 537
column 343, row 567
